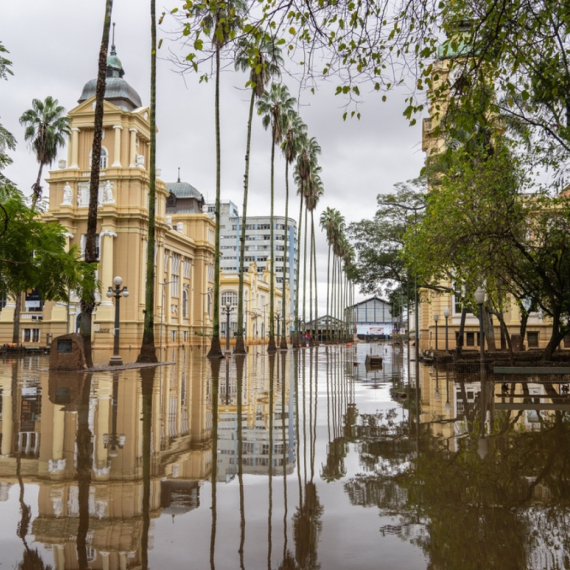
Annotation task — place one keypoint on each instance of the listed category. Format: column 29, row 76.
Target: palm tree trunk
column 240, row 347
column 271, row 346
column 312, row 342
column 283, row 345
column 297, row 285
column 37, row 188
column 328, row 292
column 88, row 296
column 148, row 349
column 215, row 347
column 305, row 270
column 314, row 247
column 17, row 312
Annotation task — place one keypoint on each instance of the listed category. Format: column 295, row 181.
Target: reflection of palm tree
column 240, row 360
column 147, row 384
column 83, row 444
column 215, row 367
column 31, row 559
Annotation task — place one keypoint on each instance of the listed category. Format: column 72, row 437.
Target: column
column 59, row 556
column 106, row 310
column 133, row 148
column 74, row 147
column 117, row 155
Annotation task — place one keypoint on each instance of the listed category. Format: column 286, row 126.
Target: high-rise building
column 257, row 244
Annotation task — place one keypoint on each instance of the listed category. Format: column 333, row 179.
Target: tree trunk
column 488, row 329
column 240, row 346
column 88, row 295
column 314, row 248
column 215, row 347
column 17, row 312
column 37, row 188
column 311, row 320
column 524, row 321
column 328, row 336
column 148, row 348
column 297, row 288
column 461, row 333
column 557, row 334
column 283, row 344
column 271, row 346
column 305, row 270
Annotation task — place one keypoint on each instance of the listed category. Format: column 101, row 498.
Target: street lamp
column 446, row 315
column 116, row 292
column 228, row 311
column 435, row 318
column 480, row 299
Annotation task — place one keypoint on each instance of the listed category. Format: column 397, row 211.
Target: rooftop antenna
column 113, row 50
column 179, row 174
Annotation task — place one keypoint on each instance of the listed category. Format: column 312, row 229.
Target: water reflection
column 303, row 460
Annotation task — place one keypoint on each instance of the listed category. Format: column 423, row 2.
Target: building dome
column 117, row 90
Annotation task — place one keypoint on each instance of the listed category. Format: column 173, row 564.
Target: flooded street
column 304, row 460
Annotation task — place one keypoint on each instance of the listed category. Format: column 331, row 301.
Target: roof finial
column 178, row 174
column 113, row 50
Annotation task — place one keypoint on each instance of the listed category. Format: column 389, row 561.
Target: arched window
column 104, row 158
column 185, row 303
column 230, row 297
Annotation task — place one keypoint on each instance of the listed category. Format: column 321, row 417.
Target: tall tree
column 294, row 137
column 47, row 128
column 148, row 348
column 263, row 60
column 218, row 19
column 88, row 293
column 276, row 106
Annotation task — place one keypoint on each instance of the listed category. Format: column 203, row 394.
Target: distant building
column 372, row 317
column 257, row 243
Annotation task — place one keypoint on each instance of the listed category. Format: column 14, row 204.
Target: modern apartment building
column 257, row 243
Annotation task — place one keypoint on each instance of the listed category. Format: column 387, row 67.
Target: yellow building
column 435, row 305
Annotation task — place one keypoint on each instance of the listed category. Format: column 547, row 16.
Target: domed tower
column 117, row 90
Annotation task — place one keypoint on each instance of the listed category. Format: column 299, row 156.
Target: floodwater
column 304, row 460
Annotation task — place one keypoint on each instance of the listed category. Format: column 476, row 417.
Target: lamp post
column 447, row 404
column 435, row 318
column 480, row 299
column 228, row 311
column 117, row 292
column 446, row 315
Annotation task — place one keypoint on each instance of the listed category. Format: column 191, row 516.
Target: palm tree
column 88, row 293
column 148, row 349
column 47, row 127
column 295, row 136
column 332, row 222
column 276, row 106
column 316, row 190
column 306, row 168
column 219, row 19
column 263, row 60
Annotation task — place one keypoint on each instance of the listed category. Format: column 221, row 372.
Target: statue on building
column 108, row 193
column 67, row 195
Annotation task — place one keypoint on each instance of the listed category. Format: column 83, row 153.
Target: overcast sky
column 54, row 48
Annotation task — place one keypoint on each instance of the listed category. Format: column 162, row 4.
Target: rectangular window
column 173, row 333
column 27, row 336
column 175, row 285
column 470, row 339
column 175, row 264
column 532, row 338
column 35, row 335
column 185, row 335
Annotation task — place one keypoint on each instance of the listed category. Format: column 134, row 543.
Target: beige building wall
column 185, row 246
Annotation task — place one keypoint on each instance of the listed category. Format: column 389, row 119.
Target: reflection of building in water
column 39, row 420
column 255, row 434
